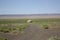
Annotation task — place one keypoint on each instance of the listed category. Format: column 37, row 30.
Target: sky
column 29, row 6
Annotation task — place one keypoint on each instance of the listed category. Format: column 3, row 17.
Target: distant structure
column 29, row 21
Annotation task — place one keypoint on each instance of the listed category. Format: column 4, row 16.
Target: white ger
column 29, row 21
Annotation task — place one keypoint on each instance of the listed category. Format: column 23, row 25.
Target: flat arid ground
column 34, row 30
column 33, row 33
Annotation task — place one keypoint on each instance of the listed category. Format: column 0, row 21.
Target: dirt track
column 33, row 32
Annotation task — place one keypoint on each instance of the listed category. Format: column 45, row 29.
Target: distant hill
column 32, row 16
column 27, row 14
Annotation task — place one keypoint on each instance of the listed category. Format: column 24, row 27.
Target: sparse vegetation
column 22, row 27
column 18, row 25
column 9, row 25
column 53, row 38
column 45, row 26
column 47, row 23
column 3, row 38
column 8, row 29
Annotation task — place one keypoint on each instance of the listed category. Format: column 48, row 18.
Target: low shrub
column 22, row 27
column 53, row 38
column 5, row 30
column 45, row 26
column 3, row 38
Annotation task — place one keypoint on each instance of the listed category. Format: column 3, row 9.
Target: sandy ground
column 33, row 32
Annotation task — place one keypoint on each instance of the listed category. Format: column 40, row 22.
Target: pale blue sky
column 29, row 6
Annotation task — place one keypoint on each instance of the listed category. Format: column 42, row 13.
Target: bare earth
column 33, row 32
